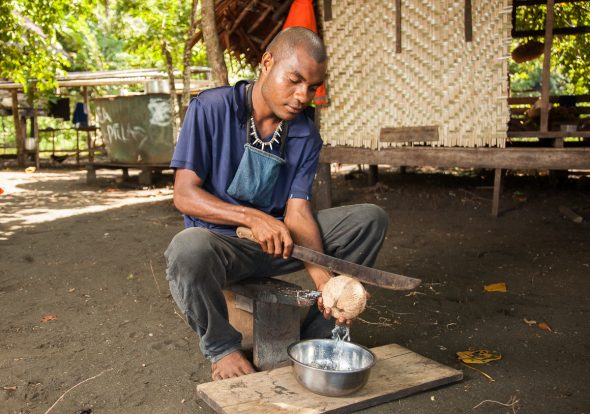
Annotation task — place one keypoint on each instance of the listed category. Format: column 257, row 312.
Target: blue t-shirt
column 211, row 143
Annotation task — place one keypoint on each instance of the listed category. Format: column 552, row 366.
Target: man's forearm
column 205, row 206
column 305, row 232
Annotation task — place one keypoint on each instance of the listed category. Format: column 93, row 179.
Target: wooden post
column 87, row 104
column 35, row 125
column 497, row 191
column 322, row 197
column 373, row 176
column 19, row 136
column 547, row 66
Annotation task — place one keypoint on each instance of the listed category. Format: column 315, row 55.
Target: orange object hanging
column 301, row 14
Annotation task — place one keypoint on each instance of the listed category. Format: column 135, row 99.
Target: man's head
column 292, row 68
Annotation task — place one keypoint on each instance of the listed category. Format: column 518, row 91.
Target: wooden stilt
column 497, row 191
column 322, row 197
column 373, row 176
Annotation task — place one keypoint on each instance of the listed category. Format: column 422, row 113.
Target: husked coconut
column 345, row 295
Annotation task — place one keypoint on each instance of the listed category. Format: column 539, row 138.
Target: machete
column 365, row 274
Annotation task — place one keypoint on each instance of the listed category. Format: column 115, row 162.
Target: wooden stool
column 266, row 313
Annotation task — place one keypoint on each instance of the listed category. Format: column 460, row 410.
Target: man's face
column 289, row 84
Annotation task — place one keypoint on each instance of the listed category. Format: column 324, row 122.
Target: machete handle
column 245, row 233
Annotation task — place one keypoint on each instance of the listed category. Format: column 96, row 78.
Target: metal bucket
column 330, row 367
column 136, row 129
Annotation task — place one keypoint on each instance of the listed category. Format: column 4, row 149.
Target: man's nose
column 304, row 94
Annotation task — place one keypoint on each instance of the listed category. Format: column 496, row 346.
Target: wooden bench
column 266, row 313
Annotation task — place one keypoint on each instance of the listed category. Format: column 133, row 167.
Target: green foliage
column 28, row 40
column 570, row 54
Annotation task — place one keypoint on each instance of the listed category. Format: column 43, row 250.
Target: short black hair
column 293, row 37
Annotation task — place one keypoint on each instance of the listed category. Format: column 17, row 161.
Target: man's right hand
column 272, row 235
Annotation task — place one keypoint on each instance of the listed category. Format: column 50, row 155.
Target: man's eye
column 293, row 80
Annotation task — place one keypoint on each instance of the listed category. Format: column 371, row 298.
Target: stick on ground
column 70, row 389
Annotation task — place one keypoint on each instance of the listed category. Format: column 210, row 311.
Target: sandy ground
column 84, row 300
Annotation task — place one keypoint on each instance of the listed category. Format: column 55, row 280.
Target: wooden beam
column 409, row 134
column 519, row 3
column 468, row 21
column 557, row 31
column 507, row 158
column 327, row 10
column 260, row 19
column 241, row 16
column 548, row 134
column 527, row 100
column 547, row 66
column 398, row 26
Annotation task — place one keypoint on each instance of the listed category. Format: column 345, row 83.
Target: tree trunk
column 172, row 87
column 211, row 38
column 186, row 61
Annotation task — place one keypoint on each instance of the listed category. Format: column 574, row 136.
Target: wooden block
column 145, row 176
column 409, row 134
column 240, row 317
column 272, row 290
column 398, row 373
column 276, row 327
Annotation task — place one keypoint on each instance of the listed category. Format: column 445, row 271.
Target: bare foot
column 231, row 365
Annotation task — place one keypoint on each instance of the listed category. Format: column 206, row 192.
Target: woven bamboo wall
column 437, row 79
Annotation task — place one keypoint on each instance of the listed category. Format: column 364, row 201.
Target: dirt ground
column 84, row 300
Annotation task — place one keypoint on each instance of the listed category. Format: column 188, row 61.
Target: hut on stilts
column 417, row 83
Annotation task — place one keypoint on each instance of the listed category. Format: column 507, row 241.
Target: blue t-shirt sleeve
column 303, row 180
column 193, row 149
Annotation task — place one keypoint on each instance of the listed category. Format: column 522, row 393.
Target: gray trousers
column 201, row 263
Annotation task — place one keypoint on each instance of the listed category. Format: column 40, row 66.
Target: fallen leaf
column 544, row 326
column 496, row 287
column 48, row 318
column 1, row 190
column 30, row 170
column 130, row 276
column 72, row 290
column 111, row 190
column 480, row 356
column 9, row 388
column 529, row 323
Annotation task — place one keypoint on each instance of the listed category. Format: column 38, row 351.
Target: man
column 247, row 156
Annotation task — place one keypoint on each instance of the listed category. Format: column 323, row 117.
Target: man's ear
column 266, row 62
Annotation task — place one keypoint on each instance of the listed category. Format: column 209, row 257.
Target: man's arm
column 191, row 199
column 305, row 232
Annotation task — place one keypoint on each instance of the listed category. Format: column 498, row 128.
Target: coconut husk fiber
column 528, row 51
column 345, row 295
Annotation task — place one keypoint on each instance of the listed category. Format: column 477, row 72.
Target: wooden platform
column 499, row 159
column 398, row 373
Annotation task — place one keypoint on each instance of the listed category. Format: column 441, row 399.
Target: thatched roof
column 246, row 27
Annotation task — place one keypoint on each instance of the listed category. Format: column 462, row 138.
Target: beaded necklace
column 258, row 141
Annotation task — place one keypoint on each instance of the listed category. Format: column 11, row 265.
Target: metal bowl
column 329, row 367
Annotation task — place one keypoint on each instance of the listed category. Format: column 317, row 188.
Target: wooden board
column 409, row 134
column 398, row 373
column 508, row 158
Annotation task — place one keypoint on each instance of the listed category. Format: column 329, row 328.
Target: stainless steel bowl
column 329, row 367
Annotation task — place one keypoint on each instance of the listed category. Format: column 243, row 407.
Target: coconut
column 345, row 296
